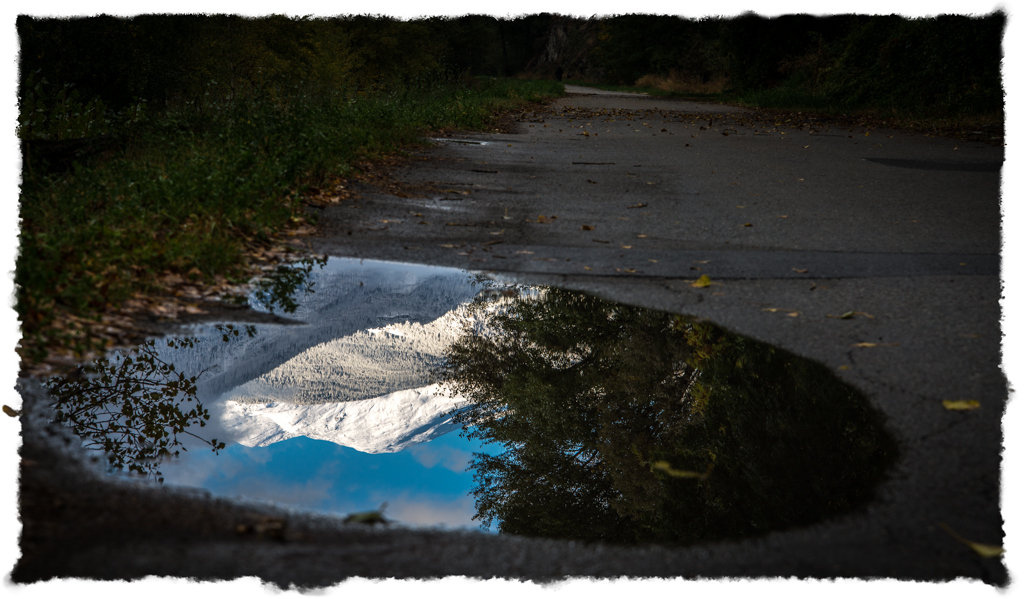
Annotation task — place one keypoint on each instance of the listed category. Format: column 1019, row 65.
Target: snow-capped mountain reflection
column 353, row 373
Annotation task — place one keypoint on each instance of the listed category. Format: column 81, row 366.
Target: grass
column 185, row 193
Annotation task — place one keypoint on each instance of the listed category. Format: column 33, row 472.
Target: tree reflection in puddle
column 628, row 425
column 132, row 405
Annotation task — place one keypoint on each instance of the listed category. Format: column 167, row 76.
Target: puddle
column 459, row 141
column 446, row 396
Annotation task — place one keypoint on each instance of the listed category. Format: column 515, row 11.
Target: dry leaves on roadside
column 703, row 281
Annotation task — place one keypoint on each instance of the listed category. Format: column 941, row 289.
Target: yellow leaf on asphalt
column 980, row 548
column 587, row 268
column 986, row 550
column 703, row 281
column 868, row 344
column 961, row 404
column 626, row 247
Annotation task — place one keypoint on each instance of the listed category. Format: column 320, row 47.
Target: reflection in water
column 133, row 406
column 627, row 425
column 602, row 421
column 279, row 287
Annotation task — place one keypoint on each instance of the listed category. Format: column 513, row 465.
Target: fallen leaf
column 980, row 548
column 641, row 205
column 793, row 314
column 868, row 344
column 778, row 310
column 961, row 404
column 652, row 260
column 642, row 236
column 669, row 470
column 848, row 315
column 11, row 411
column 626, row 247
column 800, row 270
column 703, row 281
column 747, row 225
column 587, row 227
column 844, row 367
column 587, row 268
column 493, row 241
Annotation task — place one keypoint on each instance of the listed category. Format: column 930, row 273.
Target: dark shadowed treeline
column 944, row 65
column 176, row 59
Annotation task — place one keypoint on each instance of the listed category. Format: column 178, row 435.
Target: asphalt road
column 633, row 198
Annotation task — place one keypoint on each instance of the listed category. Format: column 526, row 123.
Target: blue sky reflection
column 423, row 485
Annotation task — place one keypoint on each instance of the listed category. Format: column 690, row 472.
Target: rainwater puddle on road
column 449, row 396
column 460, row 141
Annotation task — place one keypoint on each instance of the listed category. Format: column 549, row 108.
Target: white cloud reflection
column 428, row 455
column 421, row 510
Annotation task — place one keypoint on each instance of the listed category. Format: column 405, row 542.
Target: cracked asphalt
column 633, row 198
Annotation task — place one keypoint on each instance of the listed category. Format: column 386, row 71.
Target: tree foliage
column 628, row 425
column 133, row 406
